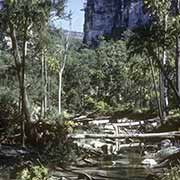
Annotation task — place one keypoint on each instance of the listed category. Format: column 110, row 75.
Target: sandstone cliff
column 103, row 17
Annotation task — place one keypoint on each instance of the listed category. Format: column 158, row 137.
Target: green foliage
column 52, row 115
column 8, row 109
column 53, row 64
column 107, row 75
column 158, row 8
column 90, row 102
column 98, row 106
column 166, row 19
column 144, row 42
column 172, row 174
column 33, row 173
column 69, row 126
column 101, row 106
column 7, row 97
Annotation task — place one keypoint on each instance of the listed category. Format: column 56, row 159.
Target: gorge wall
column 104, row 17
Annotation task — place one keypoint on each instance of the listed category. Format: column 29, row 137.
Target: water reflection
column 127, row 168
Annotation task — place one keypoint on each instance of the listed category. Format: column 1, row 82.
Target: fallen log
column 163, row 135
column 12, row 151
column 68, row 174
column 86, row 118
column 79, row 173
column 90, row 148
column 105, row 119
column 131, row 145
column 100, row 122
column 126, row 120
column 131, row 124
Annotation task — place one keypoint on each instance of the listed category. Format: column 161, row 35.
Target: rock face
column 104, row 17
column 1, row 4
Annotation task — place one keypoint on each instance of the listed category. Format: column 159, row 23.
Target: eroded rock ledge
column 105, row 17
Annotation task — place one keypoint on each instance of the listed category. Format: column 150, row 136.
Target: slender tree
column 62, row 64
column 19, row 20
column 176, row 9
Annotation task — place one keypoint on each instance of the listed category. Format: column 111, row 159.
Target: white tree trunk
column 164, row 89
column 178, row 51
column 61, row 69
column 44, row 84
column 60, row 92
column 178, row 63
column 163, row 80
column 42, row 79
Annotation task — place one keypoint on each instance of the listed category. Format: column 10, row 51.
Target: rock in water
column 149, row 162
column 166, row 152
column 166, row 143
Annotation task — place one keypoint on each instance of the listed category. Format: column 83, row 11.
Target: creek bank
column 107, row 136
column 103, row 155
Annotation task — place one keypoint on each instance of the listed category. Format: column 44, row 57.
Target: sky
column 75, row 6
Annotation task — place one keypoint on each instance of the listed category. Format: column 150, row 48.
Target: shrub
column 33, row 173
column 101, row 106
column 172, row 174
column 90, row 103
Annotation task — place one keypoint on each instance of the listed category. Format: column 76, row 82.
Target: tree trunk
column 44, row 84
column 165, row 75
column 164, row 89
column 25, row 109
column 61, row 69
column 163, row 81
column 163, row 135
column 20, row 68
column 49, row 91
column 177, row 63
column 156, row 89
column 60, row 92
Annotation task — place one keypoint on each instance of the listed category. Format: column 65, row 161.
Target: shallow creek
column 105, row 159
column 126, row 167
column 114, row 162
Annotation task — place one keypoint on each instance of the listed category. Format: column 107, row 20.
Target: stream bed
column 107, row 159
column 128, row 167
